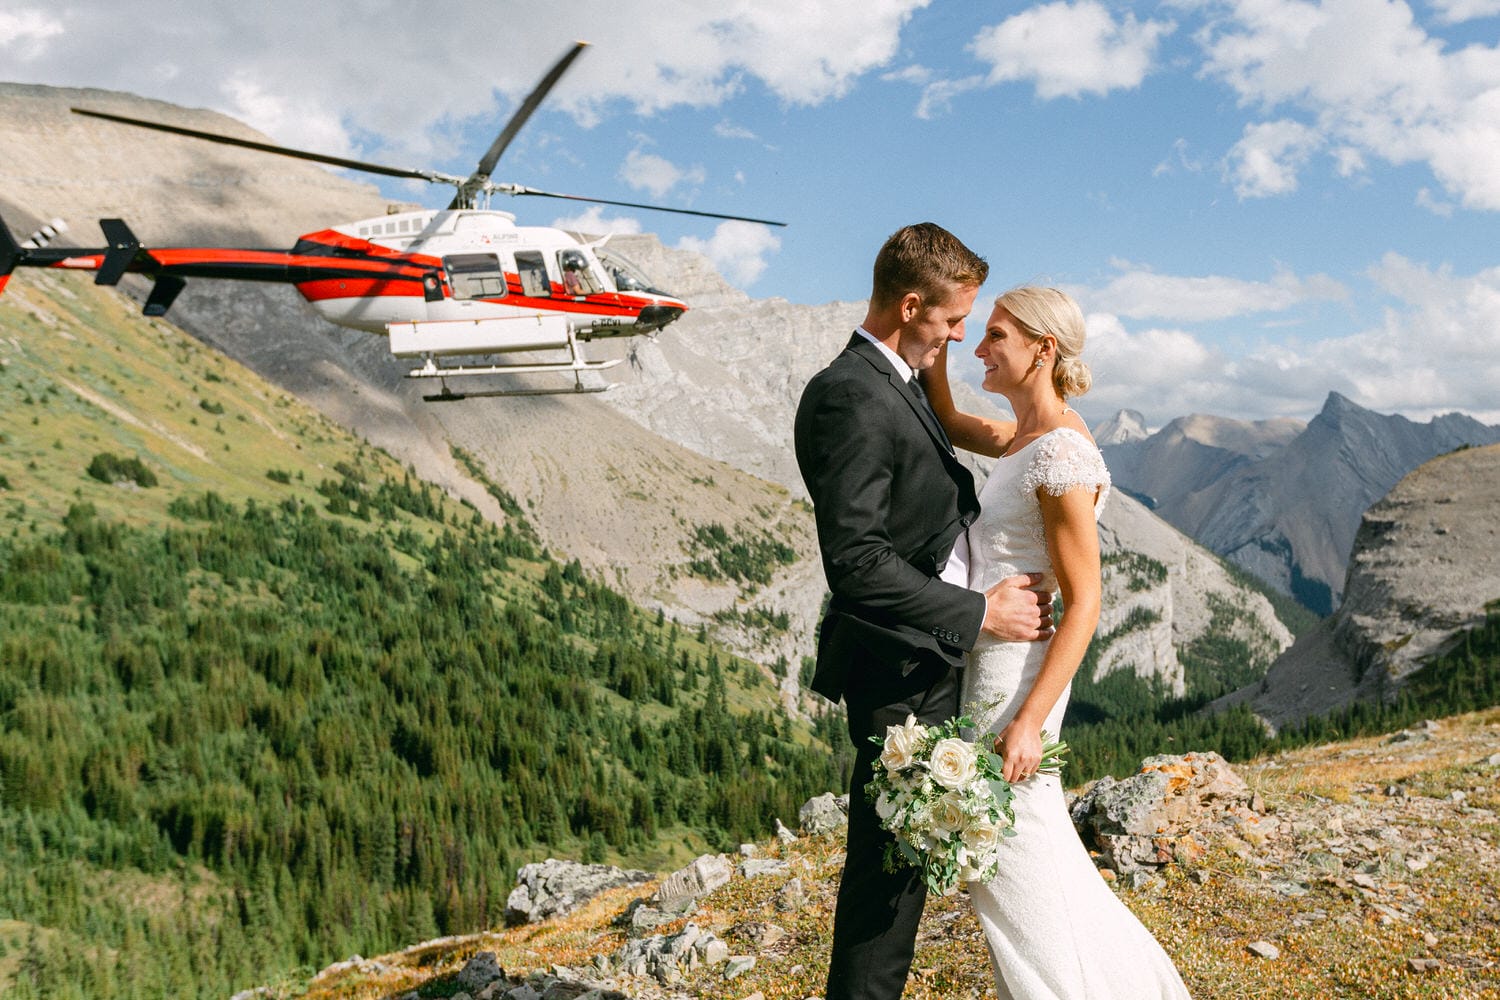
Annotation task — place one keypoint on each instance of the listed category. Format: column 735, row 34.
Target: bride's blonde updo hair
column 1049, row 312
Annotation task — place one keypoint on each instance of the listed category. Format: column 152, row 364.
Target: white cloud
column 1434, row 204
column 593, row 222
column 1069, row 50
column 1436, row 350
column 1348, row 161
column 27, row 33
column 1457, row 11
column 370, row 69
column 805, row 53
column 737, row 249
column 318, row 129
column 649, row 172
column 1369, row 78
column 937, row 96
column 1269, row 156
column 728, row 130
column 1139, row 293
column 916, row 74
column 1179, row 157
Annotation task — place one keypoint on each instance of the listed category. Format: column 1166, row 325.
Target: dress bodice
column 1009, row 537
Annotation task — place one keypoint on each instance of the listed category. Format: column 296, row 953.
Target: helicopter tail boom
column 11, row 253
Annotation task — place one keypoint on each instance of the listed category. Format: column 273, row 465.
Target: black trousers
column 875, row 925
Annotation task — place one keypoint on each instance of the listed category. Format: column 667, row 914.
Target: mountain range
column 1280, row 499
column 696, row 434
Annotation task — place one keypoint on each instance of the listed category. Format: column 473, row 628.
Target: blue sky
column 1255, row 201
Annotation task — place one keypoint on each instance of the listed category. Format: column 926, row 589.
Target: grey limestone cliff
column 1425, row 564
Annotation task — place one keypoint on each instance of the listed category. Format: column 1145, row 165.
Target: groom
column 892, row 504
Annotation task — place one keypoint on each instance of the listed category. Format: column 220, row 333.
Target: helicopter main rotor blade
column 266, row 147
column 516, row 189
column 524, row 112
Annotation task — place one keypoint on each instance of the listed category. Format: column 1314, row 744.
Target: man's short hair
column 927, row 259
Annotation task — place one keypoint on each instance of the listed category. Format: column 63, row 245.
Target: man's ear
column 911, row 306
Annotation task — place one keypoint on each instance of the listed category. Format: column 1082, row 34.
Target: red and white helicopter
column 463, row 281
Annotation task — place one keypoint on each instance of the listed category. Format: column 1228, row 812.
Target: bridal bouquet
column 945, row 799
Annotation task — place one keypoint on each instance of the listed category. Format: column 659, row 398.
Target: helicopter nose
column 657, row 316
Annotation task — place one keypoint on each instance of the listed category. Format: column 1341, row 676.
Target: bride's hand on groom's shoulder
column 1016, row 612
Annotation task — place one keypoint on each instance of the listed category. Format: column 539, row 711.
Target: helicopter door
column 533, row 271
column 475, row 275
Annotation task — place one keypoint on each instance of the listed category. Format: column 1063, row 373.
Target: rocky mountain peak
column 1424, row 566
column 1279, row 498
column 1124, row 426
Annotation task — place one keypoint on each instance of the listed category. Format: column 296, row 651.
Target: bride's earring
column 1039, row 361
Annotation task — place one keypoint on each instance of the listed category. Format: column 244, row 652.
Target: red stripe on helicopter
column 356, row 288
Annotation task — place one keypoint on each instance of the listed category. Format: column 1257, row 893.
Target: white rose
column 953, row 764
column 886, row 806
column 948, row 813
column 982, row 837
column 901, row 744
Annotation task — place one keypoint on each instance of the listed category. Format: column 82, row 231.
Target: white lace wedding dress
column 1055, row 929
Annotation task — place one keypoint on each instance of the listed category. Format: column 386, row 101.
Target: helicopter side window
column 475, row 275
column 533, row 271
column 578, row 277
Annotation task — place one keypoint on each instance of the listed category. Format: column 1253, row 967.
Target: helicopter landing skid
column 449, row 396
column 431, row 369
column 431, row 341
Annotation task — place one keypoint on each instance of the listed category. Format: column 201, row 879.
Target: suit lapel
column 923, row 412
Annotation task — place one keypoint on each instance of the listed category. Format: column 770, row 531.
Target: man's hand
column 1014, row 612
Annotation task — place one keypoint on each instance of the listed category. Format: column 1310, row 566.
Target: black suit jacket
column 890, row 498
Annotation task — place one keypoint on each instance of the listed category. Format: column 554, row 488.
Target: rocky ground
column 1361, row 869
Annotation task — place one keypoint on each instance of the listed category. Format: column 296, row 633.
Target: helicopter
column 461, row 282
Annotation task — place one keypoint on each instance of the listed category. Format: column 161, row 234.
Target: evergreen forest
column 268, row 700
column 1115, row 722
column 312, row 737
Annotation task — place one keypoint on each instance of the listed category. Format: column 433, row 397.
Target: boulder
column 551, row 888
column 703, row 876
column 823, row 814
column 1168, row 812
column 479, row 972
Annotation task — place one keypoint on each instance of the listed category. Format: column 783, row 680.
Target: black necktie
column 927, row 412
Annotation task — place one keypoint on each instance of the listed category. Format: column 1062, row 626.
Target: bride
column 1054, row 928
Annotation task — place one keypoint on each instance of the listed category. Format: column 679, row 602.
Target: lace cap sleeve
column 1066, row 460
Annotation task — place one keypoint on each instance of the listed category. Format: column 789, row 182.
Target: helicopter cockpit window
column 475, row 275
column 578, row 277
column 628, row 277
column 533, row 271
